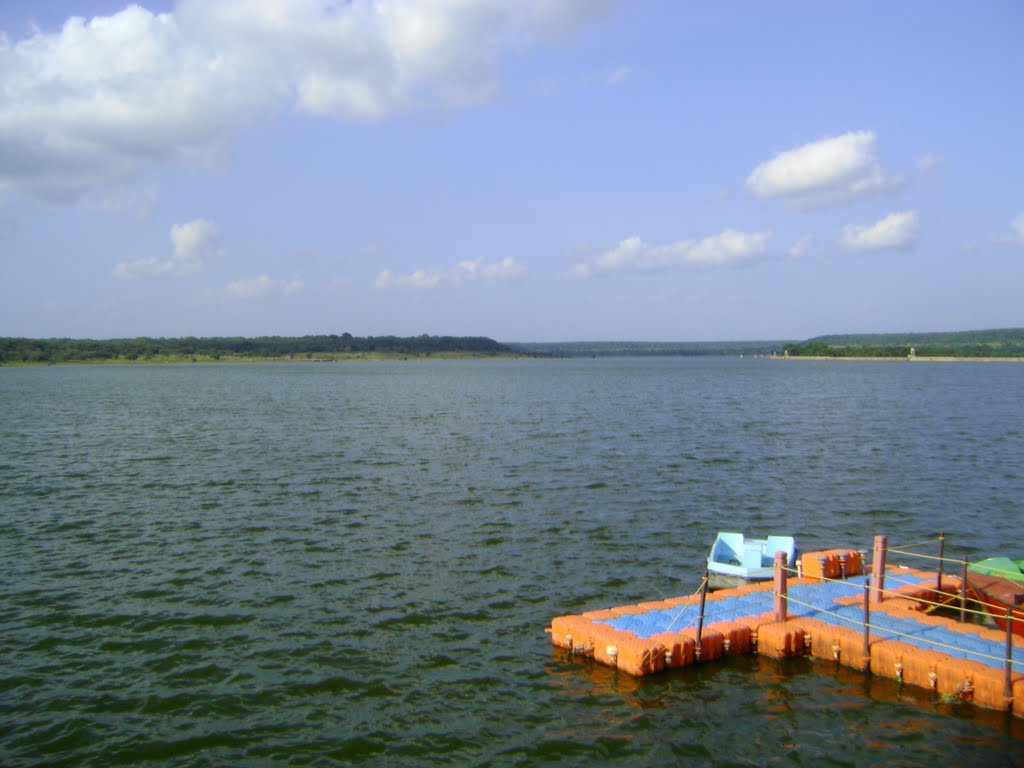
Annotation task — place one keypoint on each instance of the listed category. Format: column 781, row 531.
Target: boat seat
column 752, row 555
column 779, row 544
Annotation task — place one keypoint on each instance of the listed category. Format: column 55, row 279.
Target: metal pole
column 1008, row 685
column 867, row 624
column 878, row 568
column 780, row 586
column 942, row 547
column 700, row 616
column 963, row 592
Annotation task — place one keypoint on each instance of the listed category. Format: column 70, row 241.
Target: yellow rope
column 919, row 544
column 922, row 601
column 927, row 557
column 828, row 579
column 685, row 606
column 893, row 594
column 897, row 633
column 915, row 581
column 893, row 576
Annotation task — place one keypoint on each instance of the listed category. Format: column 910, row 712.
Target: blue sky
column 529, row 171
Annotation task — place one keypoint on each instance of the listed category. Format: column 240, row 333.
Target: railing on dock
column 872, row 616
column 875, row 591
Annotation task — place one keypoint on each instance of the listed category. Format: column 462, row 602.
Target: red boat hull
column 997, row 595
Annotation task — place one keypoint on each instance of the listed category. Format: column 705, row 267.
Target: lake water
column 332, row 564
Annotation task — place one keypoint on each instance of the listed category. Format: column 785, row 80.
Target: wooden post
column 1008, row 684
column 867, row 624
column 963, row 592
column 942, row 548
column 878, row 568
column 780, row 586
column 700, row 616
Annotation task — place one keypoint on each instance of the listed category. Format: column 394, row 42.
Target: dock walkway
column 823, row 618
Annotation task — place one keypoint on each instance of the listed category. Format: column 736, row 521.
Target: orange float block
column 887, row 659
column 780, row 640
column 638, row 657
column 819, row 565
column 832, row 564
column 736, row 637
column 604, row 613
column 711, row 645
column 921, row 667
column 955, row 676
column 567, row 630
column 990, row 687
column 844, row 644
column 679, row 648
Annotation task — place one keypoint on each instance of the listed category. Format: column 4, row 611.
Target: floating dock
column 885, row 623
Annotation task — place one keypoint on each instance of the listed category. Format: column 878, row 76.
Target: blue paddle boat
column 737, row 560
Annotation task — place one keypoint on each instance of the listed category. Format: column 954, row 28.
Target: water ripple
column 313, row 565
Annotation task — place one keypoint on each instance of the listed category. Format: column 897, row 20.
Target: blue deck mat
column 817, row 601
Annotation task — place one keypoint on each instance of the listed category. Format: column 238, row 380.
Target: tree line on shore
column 998, row 343
column 966, row 344
column 23, row 350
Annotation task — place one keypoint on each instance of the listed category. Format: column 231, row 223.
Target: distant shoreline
column 372, row 357
column 916, row 359
column 357, row 357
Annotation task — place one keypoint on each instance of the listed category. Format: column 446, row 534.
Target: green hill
column 999, row 342
column 326, row 347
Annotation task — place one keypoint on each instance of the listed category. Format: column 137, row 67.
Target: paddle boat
column 998, row 584
column 737, row 560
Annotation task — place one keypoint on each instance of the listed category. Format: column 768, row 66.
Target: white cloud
column 195, row 243
column 418, row 279
column 506, row 269
column 831, row 170
column 925, row 163
column 801, row 247
column 463, row 272
column 618, row 76
column 897, row 230
column 104, row 100
column 1015, row 236
column 1018, row 228
column 728, row 249
column 253, row 288
column 92, row 105
column 142, row 268
column 263, row 286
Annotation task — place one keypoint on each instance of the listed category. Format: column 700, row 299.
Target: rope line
column 682, row 610
column 894, row 577
column 927, row 557
column 897, row 633
column 912, row 581
column 919, row 544
column 916, row 554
